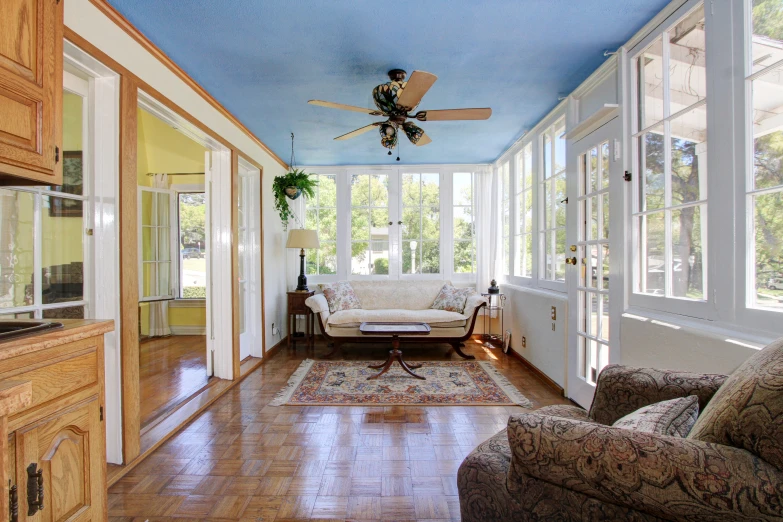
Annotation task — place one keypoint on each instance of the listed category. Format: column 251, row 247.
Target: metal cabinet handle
column 13, row 503
column 35, row 490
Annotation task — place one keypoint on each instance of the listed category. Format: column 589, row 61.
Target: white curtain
column 159, row 319
column 487, row 228
column 160, row 181
column 159, row 311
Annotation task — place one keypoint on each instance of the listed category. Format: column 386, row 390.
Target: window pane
column 327, row 191
column 430, row 252
column 650, row 84
column 16, row 248
column 379, row 190
column 547, row 204
column 411, row 257
column 768, row 223
column 164, row 244
column 687, row 78
column 192, row 216
column 463, row 257
column 411, row 190
column 62, row 250
column 149, row 241
column 652, row 258
column 360, row 224
column 547, row 155
column 327, row 224
column 164, row 208
column 593, row 168
column 360, row 258
column 430, row 224
column 528, row 163
column 604, row 330
column 687, row 268
column 560, row 248
column 146, row 207
column 164, row 277
column 604, row 165
column 605, row 268
column 463, row 223
column 768, row 130
column 689, row 156
column 430, row 190
column 605, row 218
column 560, row 205
column 651, row 158
column 594, row 203
column 463, row 193
column 767, row 46
column 149, row 280
column 592, row 270
column 69, row 312
column 560, row 147
column 360, row 190
column 73, row 107
column 528, row 269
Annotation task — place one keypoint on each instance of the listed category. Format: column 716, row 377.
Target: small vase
column 293, row 192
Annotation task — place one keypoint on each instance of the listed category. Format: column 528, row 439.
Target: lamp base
column 301, row 285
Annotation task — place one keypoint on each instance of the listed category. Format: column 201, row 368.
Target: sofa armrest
column 318, row 305
column 474, row 301
column 621, row 390
column 668, row 477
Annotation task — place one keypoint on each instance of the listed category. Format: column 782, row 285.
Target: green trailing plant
column 295, row 178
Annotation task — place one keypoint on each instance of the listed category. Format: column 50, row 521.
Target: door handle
column 391, row 223
column 570, row 260
column 35, row 490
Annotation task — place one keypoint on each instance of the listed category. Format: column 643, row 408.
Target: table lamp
column 301, row 238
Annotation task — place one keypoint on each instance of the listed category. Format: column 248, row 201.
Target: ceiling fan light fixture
column 388, row 135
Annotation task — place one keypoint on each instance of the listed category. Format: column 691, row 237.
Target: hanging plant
column 290, row 186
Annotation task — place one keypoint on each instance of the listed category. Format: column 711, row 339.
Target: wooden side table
column 297, row 306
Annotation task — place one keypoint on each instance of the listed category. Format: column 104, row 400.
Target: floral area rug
column 448, row 383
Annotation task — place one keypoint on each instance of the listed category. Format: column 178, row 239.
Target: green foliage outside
column 369, row 226
column 194, row 292
column 192, row 220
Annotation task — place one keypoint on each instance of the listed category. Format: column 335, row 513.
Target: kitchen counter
column 72, row 330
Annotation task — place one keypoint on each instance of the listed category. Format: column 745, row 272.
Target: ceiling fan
column 396, row 99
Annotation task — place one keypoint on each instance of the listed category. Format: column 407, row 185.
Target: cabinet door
column 31, row 76
column 69, row 448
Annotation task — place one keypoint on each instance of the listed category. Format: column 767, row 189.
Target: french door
column 591, row 266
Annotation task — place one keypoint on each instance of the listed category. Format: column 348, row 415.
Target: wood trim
column 109, row 62
column 121, row 22
column 235, row 304
column 180, row 417
column 129, row 271
column 541, row 375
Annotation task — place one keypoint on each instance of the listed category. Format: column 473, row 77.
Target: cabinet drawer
column 61, row 376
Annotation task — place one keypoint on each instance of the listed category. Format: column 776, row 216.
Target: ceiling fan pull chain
column 398, row 151
column 293, row 158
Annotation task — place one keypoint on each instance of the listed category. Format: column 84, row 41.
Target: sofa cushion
column 340, row 296
column 452, row 299
column 435, row 318
column 747, row 411
column 400, row 295
column 674, row 418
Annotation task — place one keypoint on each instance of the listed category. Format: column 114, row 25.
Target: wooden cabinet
column 31, row 77
column 56, row 447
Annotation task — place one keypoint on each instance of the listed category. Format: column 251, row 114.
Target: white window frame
column 177, row 189
column 342, row 179
column 520, row 219
column 173, row 241
column 448, row 179
column 506, row 206
column 753, row 318
column 318, row 207
column 541, row 180
column 700, row 309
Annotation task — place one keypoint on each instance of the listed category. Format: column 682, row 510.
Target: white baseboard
column 188, row 330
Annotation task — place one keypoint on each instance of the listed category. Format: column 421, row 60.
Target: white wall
column 87, row 21
column 527, row 313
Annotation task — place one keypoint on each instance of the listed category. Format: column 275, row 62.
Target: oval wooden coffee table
column 395, row 330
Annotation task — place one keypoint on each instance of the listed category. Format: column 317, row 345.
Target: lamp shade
column 301, row 238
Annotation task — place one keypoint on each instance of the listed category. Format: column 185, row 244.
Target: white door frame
column 217, row 182
column 579, row 389
column 103, row 140
column 251, row 340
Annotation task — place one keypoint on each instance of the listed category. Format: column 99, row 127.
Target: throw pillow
column 452, row 299
column 747, row 411
column 340, row 296
column 674, row 418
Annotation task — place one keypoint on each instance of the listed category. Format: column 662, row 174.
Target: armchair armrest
column 668, row 477
column 318, row 305
column 621, row 390
column 474, row 301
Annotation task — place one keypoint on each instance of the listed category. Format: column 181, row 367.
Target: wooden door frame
column 130, row 85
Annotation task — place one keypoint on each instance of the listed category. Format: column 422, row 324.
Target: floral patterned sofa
column 398, row 301
column 567, row 464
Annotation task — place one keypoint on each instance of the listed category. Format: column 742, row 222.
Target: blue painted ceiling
column 264, row 59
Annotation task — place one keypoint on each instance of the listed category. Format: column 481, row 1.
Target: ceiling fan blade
column 454, row 114
column 423, row 140
column 356, row 132
column 418, row 85
column 344, row 107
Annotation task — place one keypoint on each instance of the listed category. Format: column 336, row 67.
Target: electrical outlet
column 524, row 342
column 275, row 331
column 554, row 313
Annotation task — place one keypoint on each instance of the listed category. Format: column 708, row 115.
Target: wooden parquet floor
column 171, row 369
column 245, row 460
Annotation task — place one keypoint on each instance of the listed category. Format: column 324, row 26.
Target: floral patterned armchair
column 564, row 463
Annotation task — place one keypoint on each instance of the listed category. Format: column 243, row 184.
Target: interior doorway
column 592, row 342
column 251, row 330
column 178, row 170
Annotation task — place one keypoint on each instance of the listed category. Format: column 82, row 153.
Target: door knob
column 399, row 222
column 570, row 260
column 391, row 223
column 572, row 248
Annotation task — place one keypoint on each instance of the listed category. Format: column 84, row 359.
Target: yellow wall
column 72, row 122
column 163, row 149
